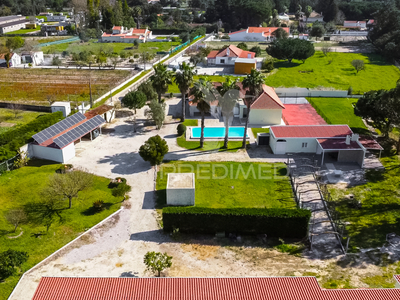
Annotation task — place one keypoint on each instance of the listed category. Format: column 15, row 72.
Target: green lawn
column 94, row 47
column 23, row 117
column 233, row 146
column 338, row 111
column 340, row 75
column 22, row 186
column 259, row 130
column 24, row 31
column 380, row 212
column 225, row 186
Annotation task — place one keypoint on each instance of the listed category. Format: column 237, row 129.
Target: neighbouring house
column 265, row 110
column 120, row 34
column 355, row 24
column 255, row 34
column 303, row 36
column 14, row 61
column 243, row 61
column 370, row 23
column 57, row 142
column 12, row 23
column 56, row 17
column 242, row 288
column 35, row 58
column 107, row 112
column 314, row 16
column 283, row 17
column 52, row 30
column 338, row 141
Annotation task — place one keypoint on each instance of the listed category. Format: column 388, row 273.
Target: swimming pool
column 217, row 132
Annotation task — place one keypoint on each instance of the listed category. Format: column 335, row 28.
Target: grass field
column 24, row 31
column 23, row 186
column 380, row 210
column 93, row 46
column 38, row 85
column 338, row 111
column 225, row 186
column 233, row 146
column 8, row 119
column 339, row 74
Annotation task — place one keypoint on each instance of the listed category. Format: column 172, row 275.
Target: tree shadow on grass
column 35, row 162
column 93, row 210
column 285, row 64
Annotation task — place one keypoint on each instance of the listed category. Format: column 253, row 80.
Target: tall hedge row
column 276, row 222
column 12, row 140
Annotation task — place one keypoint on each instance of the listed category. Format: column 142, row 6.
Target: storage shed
column 244, row 65
column 64, row 107
column 180, row 189
column 57, row 142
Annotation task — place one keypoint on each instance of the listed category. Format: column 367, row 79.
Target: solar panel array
column 78, row 132
column 59, row 127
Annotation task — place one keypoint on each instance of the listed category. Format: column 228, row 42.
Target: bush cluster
column 181, row 129
column 275, row 222
column 12, row 140
column 119, row 187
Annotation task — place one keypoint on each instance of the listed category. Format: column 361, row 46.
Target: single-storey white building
column 180, row 189
column 228, row 56
column 57, row 142
column 337, row 140
column 124, row 35
column 14, row 61
column 36, row 58
column 12, row 23
column 64, row 107
column 255, row 34
column 355, row 24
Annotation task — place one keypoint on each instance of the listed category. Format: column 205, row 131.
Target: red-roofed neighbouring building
column 248, row 288
column 255, row 34
column 243, row 60
column 121, row 34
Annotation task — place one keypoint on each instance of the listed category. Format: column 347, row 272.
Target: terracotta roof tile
column 337, row 144
column 267, row 100
column 311, row 131
column 233, row 52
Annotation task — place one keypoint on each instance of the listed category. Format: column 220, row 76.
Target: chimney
column 248, row 55
column 355, row 137
column 347, row 140
column 227, row 51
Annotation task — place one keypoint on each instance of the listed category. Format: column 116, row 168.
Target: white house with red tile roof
column 265, row 110
column 338, row 140
column 15, row 60
column 355, row 24
column 228, row 56
column 255, row 34
column 244, row 288
column 120, row 34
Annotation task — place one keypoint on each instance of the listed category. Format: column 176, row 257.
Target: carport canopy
column 338, row 144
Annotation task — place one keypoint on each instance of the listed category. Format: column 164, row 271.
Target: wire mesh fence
column 8, row 165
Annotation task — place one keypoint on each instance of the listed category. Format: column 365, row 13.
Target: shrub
column 98, row 205
column 276, row 222
column 136, row 56
column 131, row 60
column 181, row 129
column 120, row 190
column 267, row 65
column 350, row 91
column 242, row 46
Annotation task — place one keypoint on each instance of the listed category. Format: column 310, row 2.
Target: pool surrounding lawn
column 215, row 190
column 217, row 132
column 259, row 130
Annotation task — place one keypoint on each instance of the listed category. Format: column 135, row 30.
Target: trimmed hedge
column 275, row 222
column 12, row 140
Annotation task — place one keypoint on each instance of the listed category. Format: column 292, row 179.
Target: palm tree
column 229, row 91
column 161, row 79
column 184, row 79
column 254, row 82
column 202, row 97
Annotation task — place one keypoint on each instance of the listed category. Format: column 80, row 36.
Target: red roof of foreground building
column 263, row 288
column 311, row 131
column 233, row 52
column 267, row 100
column 338, row 144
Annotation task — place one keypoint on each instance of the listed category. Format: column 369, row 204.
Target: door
column 280, row 147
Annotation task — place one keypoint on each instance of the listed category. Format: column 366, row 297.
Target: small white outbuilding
column 180, row 189
column 64, row 107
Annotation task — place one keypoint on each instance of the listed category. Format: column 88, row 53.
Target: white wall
column 246, row 37
column 65, row 110
column 47, row 153
column 68, row 152
column 227, row 61
column 304, row 92
column 180, row 196
column 294, row 145
column 265, row 116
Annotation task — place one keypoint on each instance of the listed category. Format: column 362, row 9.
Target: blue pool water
column 218, row 132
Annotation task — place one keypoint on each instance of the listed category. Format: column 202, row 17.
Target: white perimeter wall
column 246, row 37
column 265, row 116
column 293, row 145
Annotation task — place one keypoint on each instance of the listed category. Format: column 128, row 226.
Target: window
column 303, row 145
column 222, row 61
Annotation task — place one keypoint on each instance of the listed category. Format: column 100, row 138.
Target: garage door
column 280, row 147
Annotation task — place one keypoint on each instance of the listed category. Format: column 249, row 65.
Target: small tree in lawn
column 10, row 260
column 67, row 186
column 15, row 217
column 157, row 261
column 134, row 100
column 358, row 65
column 156, row 113
column 326, row 50
column 153, row 150
column 16, row 108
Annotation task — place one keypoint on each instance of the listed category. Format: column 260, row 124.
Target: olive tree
column 157, row 261
column 358, row 65
column 15, row 217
